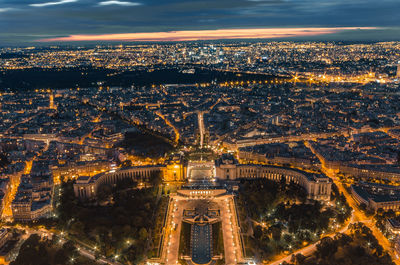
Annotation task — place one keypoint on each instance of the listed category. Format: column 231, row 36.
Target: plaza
column 202, row 208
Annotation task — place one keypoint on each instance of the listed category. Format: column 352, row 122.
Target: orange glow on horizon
column 192, row 35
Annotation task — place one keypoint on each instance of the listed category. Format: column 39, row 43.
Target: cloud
column 61, row 2
column 261, row 33
column 88, row 17
column 6, row 9
column 118, row 3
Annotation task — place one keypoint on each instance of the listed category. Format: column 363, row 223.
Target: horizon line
column 195, row 35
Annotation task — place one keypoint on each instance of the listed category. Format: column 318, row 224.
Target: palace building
column 317, row 186
column 86, row 187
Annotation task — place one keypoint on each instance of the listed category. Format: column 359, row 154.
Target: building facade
column 386, row 172
column 398, row 71
column 34, row 197
column 375, row 196
column 5, row 188
column 86, row 187
column 392, row 226
column 5, row 235
column 317, row 186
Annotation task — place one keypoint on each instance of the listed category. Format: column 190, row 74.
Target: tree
column 326, row 248
column 69, row 248
column 342, row 239
column 104, row 192
column 60, row 257
column 77, row 228
column 32, row 252
column 282, row 183
column 155, row 179
column 298, row 259
column 287, row 238
column 276, row 232
column 67, row 251
column 143, row 234
column 258, row 232
column 3, row 160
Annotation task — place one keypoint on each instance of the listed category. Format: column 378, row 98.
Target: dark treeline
column 38, row 78
column 358, row 247
column 110, row 227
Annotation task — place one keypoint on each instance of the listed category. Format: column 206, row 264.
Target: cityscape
column 256, row 161
column 242, row 132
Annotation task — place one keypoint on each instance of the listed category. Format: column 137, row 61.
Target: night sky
column 24, row 22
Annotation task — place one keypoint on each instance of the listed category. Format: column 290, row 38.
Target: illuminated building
column 317, row 186
column 51, row 98
column 4, row 236
column 32, row 201
column 74, row 169
column 4, row 193
column 386, row 172
column 377, row 196
column 398, row 71
column 174, row 172
column 34, row 197
column 86, row 187
column 392, row 225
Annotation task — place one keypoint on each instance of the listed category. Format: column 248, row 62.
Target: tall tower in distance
column 51, row 99
column 398, row 70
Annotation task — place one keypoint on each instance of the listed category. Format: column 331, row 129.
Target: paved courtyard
column 202, row 244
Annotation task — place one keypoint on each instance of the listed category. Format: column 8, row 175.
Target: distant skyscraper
column 398, row 70
column 51, row 105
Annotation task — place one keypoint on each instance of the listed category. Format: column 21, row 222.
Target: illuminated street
column 232, row 243
column 173, row 230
